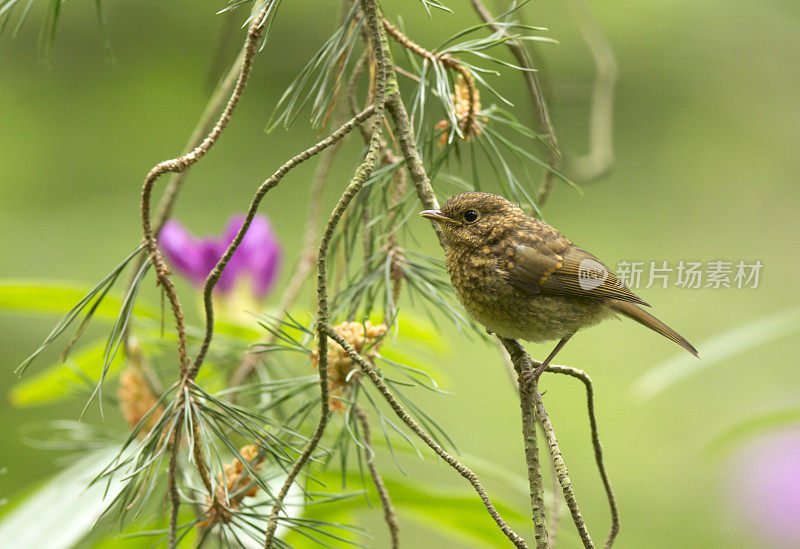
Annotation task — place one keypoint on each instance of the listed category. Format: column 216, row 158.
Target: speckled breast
column 483, row 290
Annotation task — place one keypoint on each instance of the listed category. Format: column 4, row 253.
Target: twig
column 598, row 447
column 172, row 485
column 526, row 395
column 462, row 469
column 555, row 508
column 308, row 256
column 561, row 471
column 361, row 175
column 270, row 183
column 469, row 119
column 383, row 493
column 408, row 146
column 518, row 50
column 180, row 164
column 523, row 362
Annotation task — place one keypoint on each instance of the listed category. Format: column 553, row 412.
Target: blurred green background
column 707, row 129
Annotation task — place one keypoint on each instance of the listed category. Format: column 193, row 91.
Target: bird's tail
column 646, row 319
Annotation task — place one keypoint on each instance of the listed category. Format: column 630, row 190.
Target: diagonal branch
column 517, row 49
column 308, row 256
column 462, row 469
column 265, row 187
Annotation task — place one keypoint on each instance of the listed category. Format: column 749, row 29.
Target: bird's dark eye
column 471, row 216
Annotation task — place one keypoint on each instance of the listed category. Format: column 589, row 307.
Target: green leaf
column 43, row 297
column 57, row 381
column 63, row 510
column 717, row 349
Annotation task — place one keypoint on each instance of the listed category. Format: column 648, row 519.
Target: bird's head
column 474, row 219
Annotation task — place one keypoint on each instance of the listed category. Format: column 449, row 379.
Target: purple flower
column 765, row 485
column 258, row 255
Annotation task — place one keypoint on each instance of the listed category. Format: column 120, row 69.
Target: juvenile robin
column 522, row 279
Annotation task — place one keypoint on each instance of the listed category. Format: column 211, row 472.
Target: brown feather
column 646, row 319
column 566, row 274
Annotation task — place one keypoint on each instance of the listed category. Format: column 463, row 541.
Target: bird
column 522, row 279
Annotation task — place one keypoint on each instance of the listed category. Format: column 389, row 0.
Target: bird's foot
column 527, row 380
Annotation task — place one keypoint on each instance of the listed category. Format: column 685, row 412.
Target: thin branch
column 182, row 162
column 526, row 395
column 383, row 493
column 308, row 256
column 555, row 507
column 172, row 484
column 561, row 471
column 408, row 146
column 518, row 50
column 270, row 183
column 462, row 469
column 360, row 177
column 467, row 122
column 598, row 447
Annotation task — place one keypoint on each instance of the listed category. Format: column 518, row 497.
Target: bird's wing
column 574, row 272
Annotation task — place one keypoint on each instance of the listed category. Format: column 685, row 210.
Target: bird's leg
column 531, row 377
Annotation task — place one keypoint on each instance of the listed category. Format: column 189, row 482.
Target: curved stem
column 598, row 447
column 383, row 493
column 270, row 183
column 308, row 257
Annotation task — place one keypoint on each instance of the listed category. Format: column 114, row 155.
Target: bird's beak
column 436, row 215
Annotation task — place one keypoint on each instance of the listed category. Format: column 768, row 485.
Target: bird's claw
column 527, row 380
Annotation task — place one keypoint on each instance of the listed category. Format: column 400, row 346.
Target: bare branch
column 270, row 183
column 383, row 493
column 598, row 447
column 307, row 259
